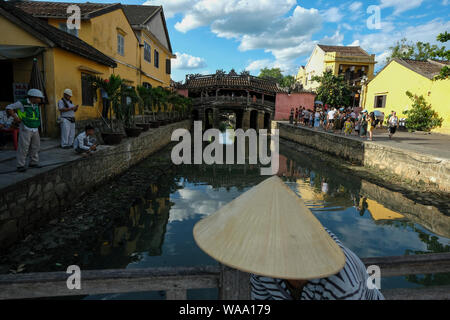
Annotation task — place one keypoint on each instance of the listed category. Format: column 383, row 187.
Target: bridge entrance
column 218, row 96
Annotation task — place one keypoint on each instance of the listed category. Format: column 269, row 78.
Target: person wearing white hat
column 26, row 112
column 67, row 109
column 270, row 233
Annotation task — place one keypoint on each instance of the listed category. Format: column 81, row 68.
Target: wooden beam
column 53, row 284
column 234, row 284
column 411, row 264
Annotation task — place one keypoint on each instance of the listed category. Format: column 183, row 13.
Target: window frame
column 168, row 66
column 90, row 96
column 156, row 58
column 120, row 44
column 149, row 56
column 383, row 101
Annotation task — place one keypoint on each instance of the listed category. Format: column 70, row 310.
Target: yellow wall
column 159, row 77
column 14, row 35
column 69, row 76
column 396, row 79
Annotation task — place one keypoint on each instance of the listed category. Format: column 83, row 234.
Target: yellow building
column 387, row 91
column 131, row 41
column 353, row 62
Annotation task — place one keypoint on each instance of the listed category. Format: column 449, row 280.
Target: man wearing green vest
column 26, row 112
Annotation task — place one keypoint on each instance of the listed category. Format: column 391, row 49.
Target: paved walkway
column 51, row 156
column 435, row 144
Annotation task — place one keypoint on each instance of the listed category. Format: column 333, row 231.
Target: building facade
column 130, row 41
column 387, row 91
column 351, row 61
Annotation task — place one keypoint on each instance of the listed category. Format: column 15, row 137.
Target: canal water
column 155, row 228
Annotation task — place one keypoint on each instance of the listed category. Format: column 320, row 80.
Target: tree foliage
column 422, row 51
column 333, row 90
column 443, row 54
column 421, row 116
column 275, row 74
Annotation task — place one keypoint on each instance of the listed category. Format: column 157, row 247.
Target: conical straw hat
column 269, row 231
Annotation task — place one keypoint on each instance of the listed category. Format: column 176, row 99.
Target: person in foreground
column 269, row 232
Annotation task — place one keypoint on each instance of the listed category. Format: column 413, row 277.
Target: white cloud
column 400, row 5
column 355, row 6
column 185, row 61
column 380, row 42
column 332, row 15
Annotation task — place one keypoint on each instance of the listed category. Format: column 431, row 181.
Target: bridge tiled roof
column 227, row 81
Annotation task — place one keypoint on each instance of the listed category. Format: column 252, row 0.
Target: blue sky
column 251, row 34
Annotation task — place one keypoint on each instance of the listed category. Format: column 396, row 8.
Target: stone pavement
column 434, row 144
column 51, row 156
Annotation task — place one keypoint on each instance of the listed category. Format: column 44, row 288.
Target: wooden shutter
column 168, row 66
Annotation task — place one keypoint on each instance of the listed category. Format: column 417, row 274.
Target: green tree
column 443, row 54
column 421, row 116
column 422, row 51
column 276, row 74
column 333, row 90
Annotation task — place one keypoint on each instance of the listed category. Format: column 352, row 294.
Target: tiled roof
column 138, row 14
column 46, row 9
column 428, row 69
column 53, row 36
column 226, row 81
column 348, row 50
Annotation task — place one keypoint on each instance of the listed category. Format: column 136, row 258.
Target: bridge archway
column 195, row 115
column 254, row 119
column 267, row 117
column 209, row 118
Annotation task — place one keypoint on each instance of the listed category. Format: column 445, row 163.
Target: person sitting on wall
column 26, row 113
column 67, row 109
column 85, row 143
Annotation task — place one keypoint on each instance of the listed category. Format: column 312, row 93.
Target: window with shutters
column 87, row 92
column 168, row 66
column 156, row 59
column 120, row 44
column 147, row 52
column 380, row 101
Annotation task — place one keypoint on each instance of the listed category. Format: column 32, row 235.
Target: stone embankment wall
column 33, row 202
column 407, row 165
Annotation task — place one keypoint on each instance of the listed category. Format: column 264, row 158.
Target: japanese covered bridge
column 250, row 99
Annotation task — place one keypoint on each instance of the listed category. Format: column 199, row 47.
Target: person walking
column 291, row 116
column 67, row 109
column 26, row 113
column 393, row 124
column 371, row 125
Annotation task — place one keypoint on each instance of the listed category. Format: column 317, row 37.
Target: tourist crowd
column 342, row 120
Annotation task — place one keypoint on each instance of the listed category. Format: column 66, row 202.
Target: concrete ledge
column 406, row 164
column 32, row 202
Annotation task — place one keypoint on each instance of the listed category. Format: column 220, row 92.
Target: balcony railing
column 233, row 100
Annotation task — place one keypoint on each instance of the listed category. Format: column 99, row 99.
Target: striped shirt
column 349, row 284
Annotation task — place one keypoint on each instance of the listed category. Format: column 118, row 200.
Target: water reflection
column 157, row 228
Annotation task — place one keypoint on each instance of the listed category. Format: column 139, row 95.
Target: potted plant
column 126, row 110
column 145, row 100
column 112, row 87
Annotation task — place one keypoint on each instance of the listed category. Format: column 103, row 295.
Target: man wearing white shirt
column 67, row 109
